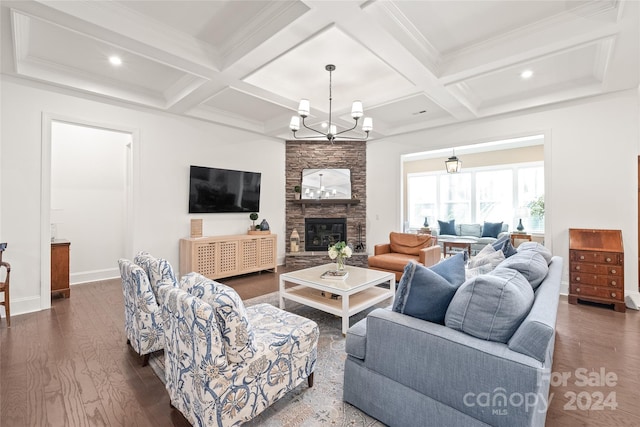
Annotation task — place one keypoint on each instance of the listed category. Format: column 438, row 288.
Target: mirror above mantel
column 326, row 184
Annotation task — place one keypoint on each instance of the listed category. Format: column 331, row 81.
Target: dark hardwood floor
column 70, row 366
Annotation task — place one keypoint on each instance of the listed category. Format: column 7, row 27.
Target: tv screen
column 213, row 190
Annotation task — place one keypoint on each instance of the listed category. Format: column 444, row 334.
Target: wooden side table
column 448, row 245
column 519, row 236
column 60, row 267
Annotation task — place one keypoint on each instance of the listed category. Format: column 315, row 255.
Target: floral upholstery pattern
column 230, row 312
column 157, row 269
column 207, row 387
column 142, row 314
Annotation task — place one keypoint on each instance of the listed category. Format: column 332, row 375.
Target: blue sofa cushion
column 504, row 244
column 537, row 247
column 471, row 230
column 447, row 227
column 530, row 264
column 491, row 306
column 491, row 229
column 425, row 293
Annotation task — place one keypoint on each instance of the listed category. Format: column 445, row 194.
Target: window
column 494, row 194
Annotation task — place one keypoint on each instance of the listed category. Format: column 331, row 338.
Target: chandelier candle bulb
column 295, row 123
column 304, row 108
column 357, row 110
column 367, row 124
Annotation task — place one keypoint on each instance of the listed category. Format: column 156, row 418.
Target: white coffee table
column 356, row 293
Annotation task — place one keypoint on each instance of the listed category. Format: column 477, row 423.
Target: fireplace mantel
column 305, row 202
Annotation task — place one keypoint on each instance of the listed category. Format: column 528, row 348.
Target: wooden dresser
column 60, row 268
column 596, row 267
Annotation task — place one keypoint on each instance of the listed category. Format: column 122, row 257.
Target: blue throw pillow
column 504, row 244
column 447, row 227
column 425, row 293
column 537, row 247
column 491, row 306
column 530, row 264
column 491, row 229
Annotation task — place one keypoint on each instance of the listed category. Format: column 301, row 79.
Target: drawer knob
column 608, row 259
column 581, row 256
column 613, row 271
column 577, row 267
column 578, row 279
column 613, row 294
column 577, row 289
column 613, row 283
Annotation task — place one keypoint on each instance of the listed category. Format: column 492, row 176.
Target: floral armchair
column 143, row 319
column 157, row 269
column 224, row 363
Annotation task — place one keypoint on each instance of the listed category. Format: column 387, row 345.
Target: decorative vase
column 264, row 225
column 520, row 227
column 340, row 263
column 426, row 222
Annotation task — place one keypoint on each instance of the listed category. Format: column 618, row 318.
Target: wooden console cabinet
column 225, row 256
column 60, row 268
column 596, row 267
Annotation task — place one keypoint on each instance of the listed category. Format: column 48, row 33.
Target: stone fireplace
column 349, row 214
column 320, row 233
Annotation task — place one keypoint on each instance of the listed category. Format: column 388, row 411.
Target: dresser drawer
column 608, row 270
column 599, row 257
column 596, row 291
column 598, row 280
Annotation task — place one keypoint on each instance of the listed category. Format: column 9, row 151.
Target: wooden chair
column 4, row 286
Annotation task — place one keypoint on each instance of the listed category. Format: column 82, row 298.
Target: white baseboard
column 93, row 276
column 23, row 306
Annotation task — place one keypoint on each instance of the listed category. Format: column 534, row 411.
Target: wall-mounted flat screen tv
column 213, row 190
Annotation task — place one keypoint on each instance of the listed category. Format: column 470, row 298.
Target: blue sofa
column 405, row 371
column 471, row 232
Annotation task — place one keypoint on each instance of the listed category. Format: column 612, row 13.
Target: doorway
column 86, row 197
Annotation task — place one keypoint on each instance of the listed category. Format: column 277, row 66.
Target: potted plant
column 297, row 190
column 253, row 216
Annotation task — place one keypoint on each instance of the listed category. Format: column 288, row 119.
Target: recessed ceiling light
column 115, row 60
column 526, row 74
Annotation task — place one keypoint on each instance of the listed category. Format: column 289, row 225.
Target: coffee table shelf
column 357, row 302
column 357, row 292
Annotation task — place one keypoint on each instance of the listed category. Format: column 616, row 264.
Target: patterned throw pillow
column 158, row 270
column 231, row 315
column 504, row 244
column 425, row 293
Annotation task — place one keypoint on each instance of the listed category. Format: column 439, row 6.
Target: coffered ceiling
column 414, row 64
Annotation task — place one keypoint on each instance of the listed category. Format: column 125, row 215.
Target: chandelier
column 453, row 164
column 332, row 130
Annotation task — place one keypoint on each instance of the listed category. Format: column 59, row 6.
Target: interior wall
column 88, row 197
column 590, row 153
column 168, row 145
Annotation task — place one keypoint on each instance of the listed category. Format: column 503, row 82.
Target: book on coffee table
column 333, row 274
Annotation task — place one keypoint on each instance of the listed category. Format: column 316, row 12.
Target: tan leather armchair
column 403, row 248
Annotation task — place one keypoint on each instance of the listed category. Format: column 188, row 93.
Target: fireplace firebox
column 320, row 233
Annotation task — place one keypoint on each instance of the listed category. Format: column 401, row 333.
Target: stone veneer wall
column 322, row 154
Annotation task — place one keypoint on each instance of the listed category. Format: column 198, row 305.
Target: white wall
column 164, row 147
column 591, row 150
column 88, row 197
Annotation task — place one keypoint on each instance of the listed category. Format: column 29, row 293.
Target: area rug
column 320, row 405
